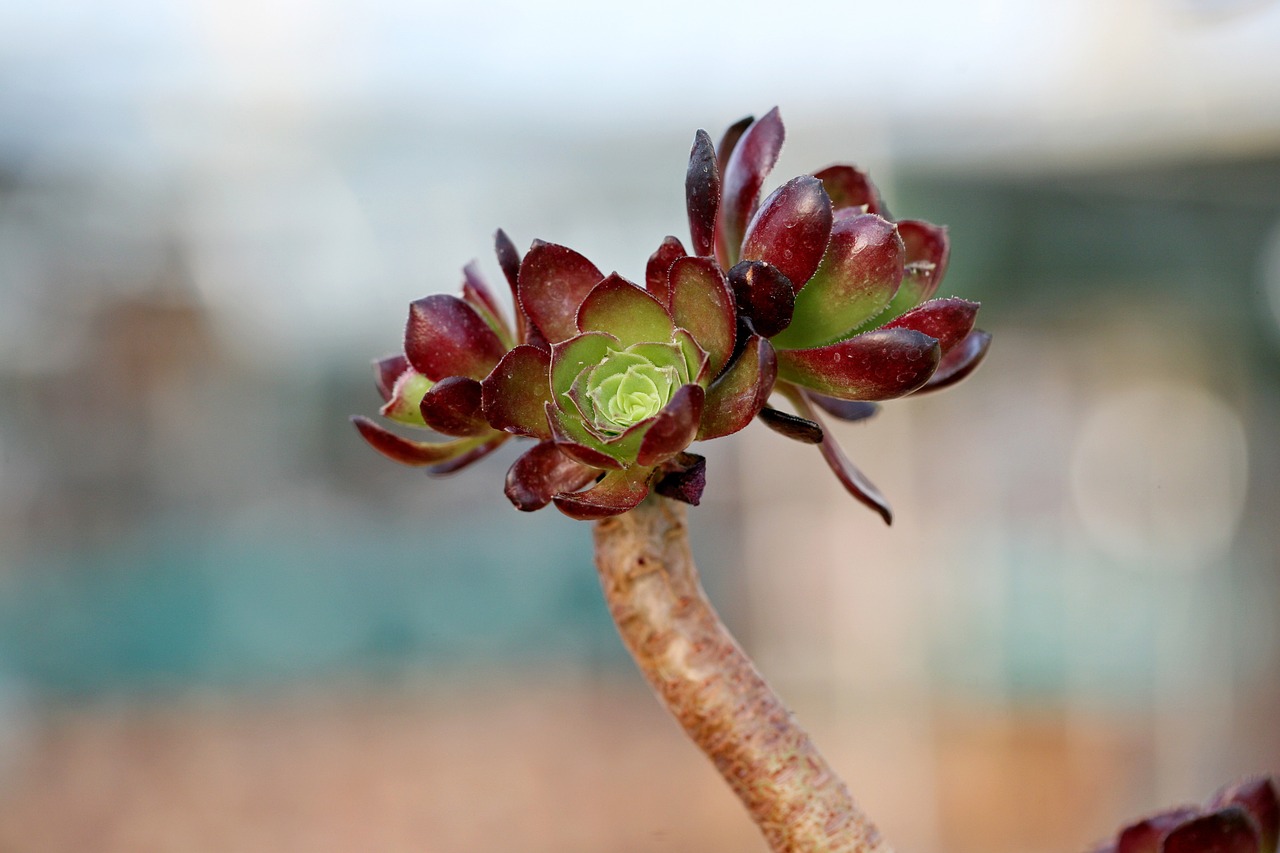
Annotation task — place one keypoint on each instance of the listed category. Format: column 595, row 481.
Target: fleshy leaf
column 617, row 493
column 388, row 370
column 659, row 265
column 576, row 442
column 553, row 282
column 473, row 455
column 514, row 396
column 1260, row 797
column 1145, row 835
column 764, row 296
column 684, row 478
column 962, row 360
column 845, row 410
column 406, row 452
column 674, row 427
column 729, row 141
column 452, row 407
column 738, row 395
column 629, row 313
column 477, row 293
column 702, row 193
column 878, row 365
column 1228, row 830
column 697, row 362
column 543, row 472
column 791, row 229
column 569, row 358
column 857, row 279
column 792, row 426
column 446, row 337
column 927, row 252
column 853, row 480
column 752, row 159
column 509, row 261
column 406, row 398
column 702, row 302
column 949, row 320
column 849, row 187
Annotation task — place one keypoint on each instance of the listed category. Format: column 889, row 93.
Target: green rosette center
column 626, row 388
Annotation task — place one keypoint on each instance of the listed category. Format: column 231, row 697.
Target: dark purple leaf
column 629, row 313
column 962, row 360
column 791, row 229
column 845, row 410
column 1145, row 835
column 389, row 369
column 674, row 427
column 1260, row 797
column 730, row 141
column 849, row 187
column 878, row 365
column 764, row 296
column 656, row 271
column 738, row 395
column 452, row 407
column 543, row 472
column 702, row 302
column 927, row 251
column 792, row 426
column 406, row 452
column 702, row 193
column 553, row 282
column 514, row 396
column 949, row 320
column 751, row 161
column 473, row 455
column 477, row 293
column 684, row 478
column 509, row 261
column 853, row 480
column 1228, row 830
column 446, row 337
column 617, row 493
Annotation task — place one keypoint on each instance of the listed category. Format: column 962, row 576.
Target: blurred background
column 227, row 625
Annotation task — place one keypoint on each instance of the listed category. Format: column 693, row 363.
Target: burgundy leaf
column 792, row 426
column 446, row 337
column 878, row 365
column 962, row 360
column 737, row 396
column 674, row 427
column 553, row 282
column 853, row 480
column 543, row 472
column 702, row 302
column 730, row 141
column 949, row 320
column 791, row 229
column 617, row 493
column 389, row 369
column 858, row 277
column 573, row 446
column 1260, row 797
column 452, row 407
column 684, row 478
column 629, row 313
column 845, row 410
column 927, row 252
column 408, row 452
column 1228, row 830
column 514, row 396
column 656, row 271
column 475, row 454
column 751, row 161
column 764, row 296
column 509, row 261
column 476, row 292
column 702, row 193
column 849, row 187
column 1145, row 835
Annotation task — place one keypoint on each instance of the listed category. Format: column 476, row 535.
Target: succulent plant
column 1241, row 818
column 813, row 293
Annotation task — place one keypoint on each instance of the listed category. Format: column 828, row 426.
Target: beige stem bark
column 712, row 688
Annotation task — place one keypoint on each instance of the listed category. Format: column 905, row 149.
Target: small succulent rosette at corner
column 1241, row 818
column 844, row 294
column 450, row 344
column 629, row 378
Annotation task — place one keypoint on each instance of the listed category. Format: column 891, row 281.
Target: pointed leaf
column 683, row 479
column 573, row 439
column 849, row 187
column 452, row 407
column 618, row 307
column 949, row 320
column 477, row 293
column 388, row 370
column 962, row 360
column 751, row 161
column 764, row 296
column 853, row 480
column 406, row 452
column 446, row 337
column 857, row 278
column 1228, row 830
column 737, row 396
column 617, row 493
column 1145, row 835
column 791, row 229
column 553, row 281
column 674, row 427
column 927, row 252
column 473, row 455
column 792, row 426
column 730, row 141
column 1260, row 797
column 658, row 267
column 878, row 365
column 846, row 410
column 404, row 404
column 543, row 472
column 509, row 261
column 702, row 193
column 702, row 302
column 514, row 395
